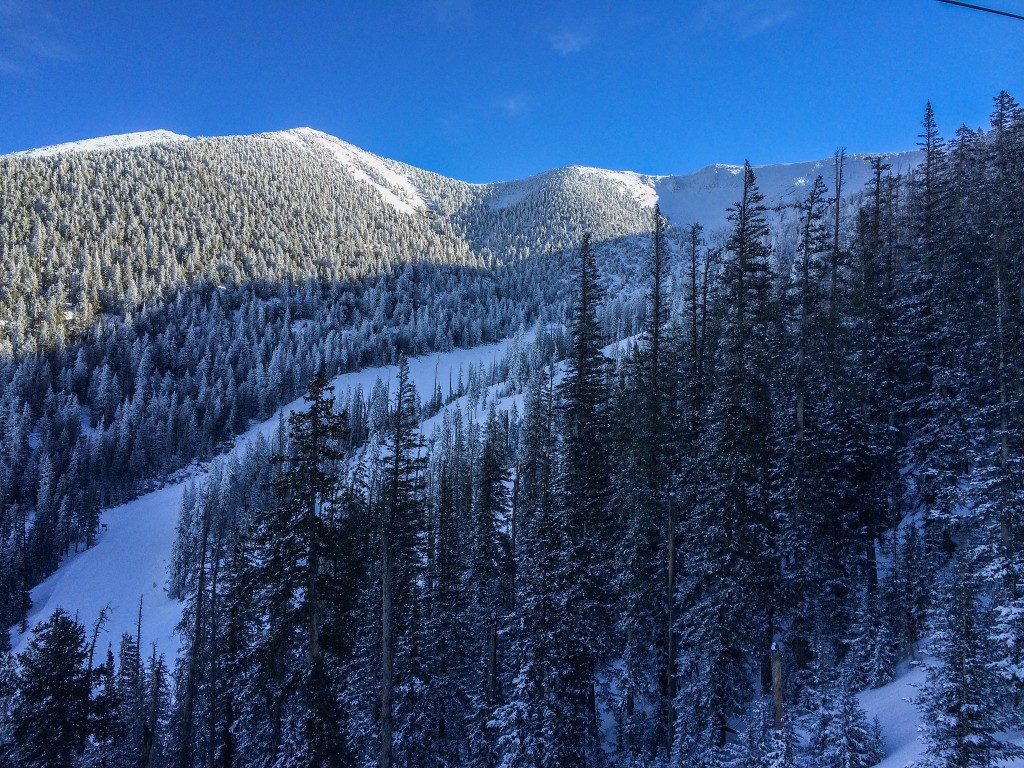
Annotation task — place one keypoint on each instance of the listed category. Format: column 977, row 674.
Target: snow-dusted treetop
column 105, row 143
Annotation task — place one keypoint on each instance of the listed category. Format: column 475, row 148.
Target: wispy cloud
column 568, row 42
column 451, row 12
column 746, row 18
column 29, row 33
column 512, row 106
column 45, row 47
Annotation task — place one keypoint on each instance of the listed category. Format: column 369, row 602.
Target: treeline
column 806, row 470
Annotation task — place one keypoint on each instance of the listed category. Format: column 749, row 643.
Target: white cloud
column 568, row 42
column 28, row 34
column 746, row 18
column 512, row 105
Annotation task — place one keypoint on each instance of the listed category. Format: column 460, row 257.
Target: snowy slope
column 705, row 195
column 131, row 555
column 394, row 188
column 105, row 143
column 893, row 705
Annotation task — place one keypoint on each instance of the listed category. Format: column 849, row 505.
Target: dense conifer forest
column 797, row 466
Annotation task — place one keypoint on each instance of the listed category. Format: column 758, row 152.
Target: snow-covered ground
column 893, row 705
column 133, row 550
column 105, row 143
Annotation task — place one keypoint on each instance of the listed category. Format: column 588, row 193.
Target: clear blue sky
column 486, row 91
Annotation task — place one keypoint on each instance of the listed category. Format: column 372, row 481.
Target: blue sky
column 487, row 91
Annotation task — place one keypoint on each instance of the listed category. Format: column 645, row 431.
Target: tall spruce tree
column 819, row 440
column 289, row 705
column 488, row 584
column 727, row 593
column 961, row 702
column 51, row 721
column 545, row 721
column 646, row 448
column 584, row 494
column 400, row 522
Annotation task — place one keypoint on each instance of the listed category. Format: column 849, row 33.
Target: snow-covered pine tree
column 401, row 516
column 960, row 702
column 728, row 571
column 106, row 729
column 288, row 700
column 584, row 495
column 544, row 721
column 815, row 440
column 646, row 446
column 841, row 736
column 488, row 583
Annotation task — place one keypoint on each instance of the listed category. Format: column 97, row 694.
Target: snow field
column 133, row 550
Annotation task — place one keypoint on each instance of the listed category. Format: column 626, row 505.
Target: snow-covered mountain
column 185, row 288
column 125, row 221
column 702, row 196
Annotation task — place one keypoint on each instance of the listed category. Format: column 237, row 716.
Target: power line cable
column 982, row 8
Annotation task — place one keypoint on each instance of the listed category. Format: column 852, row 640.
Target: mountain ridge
column 646, row 188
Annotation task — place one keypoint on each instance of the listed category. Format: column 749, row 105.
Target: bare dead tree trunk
column 777, row 703
column 840, row 158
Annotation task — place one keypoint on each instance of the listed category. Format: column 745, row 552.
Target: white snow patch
column 509, row 198
column 638, row 186
column 893, row 705
column 105, row 143
column 396, row 189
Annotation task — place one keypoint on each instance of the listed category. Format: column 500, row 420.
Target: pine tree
column 962, row 709
column 814, row 436
column 487, row 582
column 727, row 591
column 545, row 720
column 841, row 736
column 8, row 704
column 934, row 376
column 106, row 729
column 584, row 486
column 645, row 406
column 51, row 721
column 400, row 521
column 289, row 698
column 156, row 746
column 132, row 698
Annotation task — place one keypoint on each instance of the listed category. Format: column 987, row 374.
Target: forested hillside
column 804, row 470
column 158, row 293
